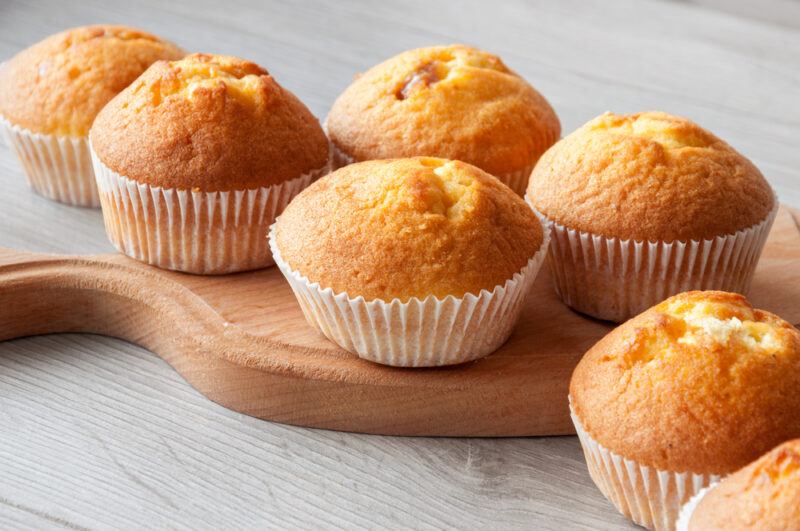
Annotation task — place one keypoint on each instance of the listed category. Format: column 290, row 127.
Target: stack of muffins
column 419, row 250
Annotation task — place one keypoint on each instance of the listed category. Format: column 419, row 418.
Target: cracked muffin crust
column 58, row 85
column 454, row 102
column 701, row 382
column 210, row 123
column 408, row 228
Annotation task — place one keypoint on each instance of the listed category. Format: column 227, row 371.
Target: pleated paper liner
column 616, row 279
column 418, row 333
column 517, row 181
column 340, row 158
column 193, row 231
column 650, row 497
column 57, row 167
column 688, row 509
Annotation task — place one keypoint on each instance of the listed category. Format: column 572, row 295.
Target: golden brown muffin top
column 58, row 85
column 408, row 228
column 648, row 176
column 208, row 122
column 701, row 382
column 765, row 495
column 454, row 102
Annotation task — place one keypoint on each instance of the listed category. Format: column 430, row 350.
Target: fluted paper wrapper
column 418, row 333
column 57, row 167
column 340, row 158
column 517, row 180
column 650, row 497
column 192, row 231
column 688, row 509
column 616, row 279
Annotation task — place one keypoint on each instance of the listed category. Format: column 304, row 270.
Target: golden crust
column 649, row 176
column 211, row 123
column 408, row 228
column 765, row 495
column 454, row 102
column 58, row 85
column 701, row 382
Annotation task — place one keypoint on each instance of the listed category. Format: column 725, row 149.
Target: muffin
column 51, row 92
column 196, row 158
column 765, row 495
column 691, row 390
column 645, row 206
column 410, row 262
column 454, row 102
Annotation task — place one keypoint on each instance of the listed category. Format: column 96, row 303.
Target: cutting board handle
column 115, row 296
column 104, row 294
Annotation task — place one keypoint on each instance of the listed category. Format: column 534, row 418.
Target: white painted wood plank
column 106, row 435
column 97, row 433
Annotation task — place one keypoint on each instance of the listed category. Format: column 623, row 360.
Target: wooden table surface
column 96, row 433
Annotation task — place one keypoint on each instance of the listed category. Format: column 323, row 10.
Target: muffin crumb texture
column 58, row 85
column 201, row 74
column 408, row 228
column 649, row 176
column 764, row 495
column 702, row 382
column 715, row 322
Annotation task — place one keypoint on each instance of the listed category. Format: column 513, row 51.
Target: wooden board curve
column 241, row 340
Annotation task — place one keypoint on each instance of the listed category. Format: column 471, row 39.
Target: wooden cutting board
column 242, row 341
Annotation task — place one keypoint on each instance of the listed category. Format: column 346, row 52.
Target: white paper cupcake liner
column 57, row 167
column 650, row 497
column 340, row 158
column 517, row 180
column 418, row 333
column 616, row 279
column 191, row 231
column 688, row 509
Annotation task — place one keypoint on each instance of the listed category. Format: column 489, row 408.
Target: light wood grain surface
column 96, row 433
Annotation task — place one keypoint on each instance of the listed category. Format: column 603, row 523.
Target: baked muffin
column 691, row 390
column 51, row 92
column 764, row 495
column 197, row 157
column 454, row 102
column 645, row 206
column 410, row 262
